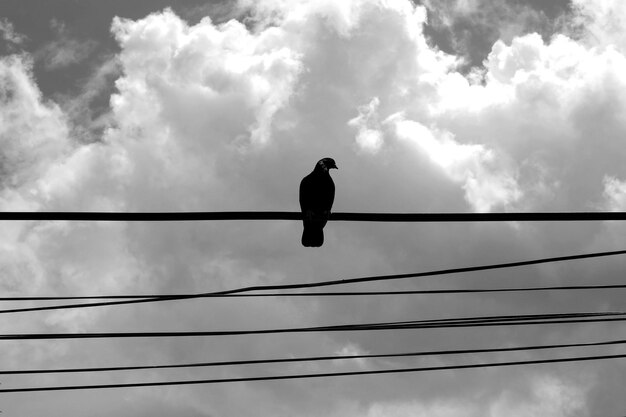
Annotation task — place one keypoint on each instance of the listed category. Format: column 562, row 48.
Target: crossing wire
column 324, row 294
column 311, row 359
column 310, row 375
column 321, row 283
column 480, row 321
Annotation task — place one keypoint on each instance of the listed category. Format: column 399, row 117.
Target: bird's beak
column 335, row 166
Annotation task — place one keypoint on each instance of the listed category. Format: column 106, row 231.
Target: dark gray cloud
column 470, row 28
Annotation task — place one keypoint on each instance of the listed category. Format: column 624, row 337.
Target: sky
column 436, row 106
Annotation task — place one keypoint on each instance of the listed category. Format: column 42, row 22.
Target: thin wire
column 284, row 215
column 481, row 321
column 322, row 283
column 310, row 376
column 311, row 358
column 324, row 294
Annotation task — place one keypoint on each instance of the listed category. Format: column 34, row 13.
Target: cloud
column 33, row 132
column 615, row 194
column 89, row 109
column 544, row 395
column 468, row 164
column 231, row 116
column 444, row 409
column 549, row 396
column 9, row 35
column 472, row 26
column 64, row 51
column 368, row 138
column 601, row 22
column 232, row 67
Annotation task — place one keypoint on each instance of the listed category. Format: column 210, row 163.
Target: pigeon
column 317, row 193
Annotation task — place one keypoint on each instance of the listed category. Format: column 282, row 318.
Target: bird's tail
column 313, row 235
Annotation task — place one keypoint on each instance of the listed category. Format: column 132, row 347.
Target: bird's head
column 326, row 164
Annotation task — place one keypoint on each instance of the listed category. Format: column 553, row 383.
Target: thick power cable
column 312, row 359
column 309, row 376
column 284, row 215
column 480, row 321
column 323, row 283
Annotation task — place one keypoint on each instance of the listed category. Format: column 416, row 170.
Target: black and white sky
column 190, row 105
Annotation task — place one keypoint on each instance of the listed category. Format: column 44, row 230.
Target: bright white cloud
column 468, row 164
column 602, row 22
column 216, row 79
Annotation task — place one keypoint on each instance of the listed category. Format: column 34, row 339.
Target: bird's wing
column 331, row 193
column 317, row 193
column 306, row 193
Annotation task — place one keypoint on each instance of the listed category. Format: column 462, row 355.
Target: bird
column 317, row 193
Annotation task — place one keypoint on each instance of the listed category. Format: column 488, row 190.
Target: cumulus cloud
column 467, row 164
column 601, row 22
column 33, row 133
column 251, row 75
column 231, row 116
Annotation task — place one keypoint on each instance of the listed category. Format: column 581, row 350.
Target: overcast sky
column 442, row 106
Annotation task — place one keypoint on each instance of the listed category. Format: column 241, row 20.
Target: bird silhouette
column 317, row 193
